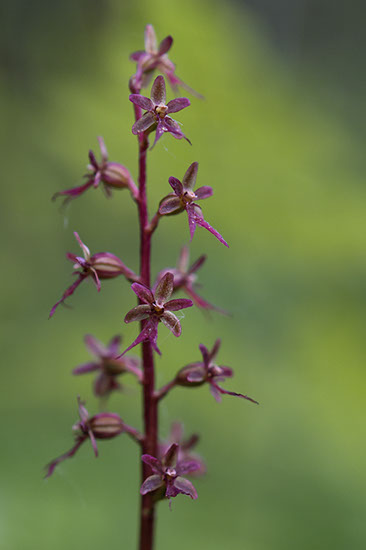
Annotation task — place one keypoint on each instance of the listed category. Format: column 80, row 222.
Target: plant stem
column 150, row 409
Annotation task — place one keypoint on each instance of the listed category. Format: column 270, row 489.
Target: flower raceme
column 102, row 265
column 157, row 111
column 155, row 308
column 167, row 480
column 111, row 175
column 155, row 57
column 106, row 364
column 100, row 426
column 183, row 198
column 206, row 371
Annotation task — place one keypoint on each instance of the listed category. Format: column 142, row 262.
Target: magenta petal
column 179, row 303
column 86, row 367
column 189, row 179
column 215, row 393
column 153, row 462
column 93, row 442
column 52, row 465
column 186, row 487
column 169, row 205
column 197, row 264
column 158, row 91
column 141, row 101
column 160, row 130
column 192, row 218
column 136, row 56
column 67, row 293
column 113, row 345
column 95, row 278
column 146, row 121
column 173, row 128
column 151, row 484
column 151, row 44
column 215, row 350
column 103, row 149
column 75, row 191
column 172, row 322
column 201, row 302
column 205, row 354
column 187, row 467
column 95, row 346
column 176, row 185
column 138, row 313
column 143, row 293
column 206, row 225
column 178, row 104
column 149, row 332
column 204, row 192
column 225, row 392
column 165, row 45
column 164, row 289
column 183, row 260
column 84, row 248
column 171, row 456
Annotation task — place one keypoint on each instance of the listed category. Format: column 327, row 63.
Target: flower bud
column 106, row 425
column 191, row 375
column 116, row 175
column 108, row 265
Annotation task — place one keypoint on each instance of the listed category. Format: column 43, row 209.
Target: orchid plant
column 166, row 464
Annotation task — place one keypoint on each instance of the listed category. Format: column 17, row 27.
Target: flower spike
column 111, row 175
column 102, row 265
column 107, row 365
column 155, row 57
column 206, row 371
column 183, row 198
column 156, row 308
column 157, row 111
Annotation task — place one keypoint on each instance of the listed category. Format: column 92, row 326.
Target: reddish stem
column 150, row 440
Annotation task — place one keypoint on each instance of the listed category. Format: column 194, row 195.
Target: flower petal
column 206, row 225
column 75, row 191
column 149, row 332
column 165, row 45
column 114, row 344
column 183, row 260
column 151, row 484
column 160, row 130
column 191, row 220
column 141, row 101
column 189, row 179
column 197, row 264
column 52, row 465
column 138, row 313
column 164, row 289
column 220, row 390
column 95, row 347
column 169, row 205
column 103, row 149
column 171, row 455
column 172, row 322
column 153, row 462
column 143, row 293
column 158, row 91
column 186, row 487
column 178, row 104
column 177, row 304
column 215, row 349
column 84, row 248
column 136, row 56
column 68, row 292
column 85, row 367
column 176, row 185
column 146, row 121
column 151, row 44
column 205, row 355
column 186, row 467
column 204, row 192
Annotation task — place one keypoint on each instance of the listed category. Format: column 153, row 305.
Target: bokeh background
column 281, row 138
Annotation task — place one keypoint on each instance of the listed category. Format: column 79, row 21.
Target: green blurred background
column 280, row 137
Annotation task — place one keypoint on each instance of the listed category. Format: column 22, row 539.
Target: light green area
column 290, row 200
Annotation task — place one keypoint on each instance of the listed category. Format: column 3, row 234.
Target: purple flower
column 185, row 278
column 167, row 475
column 102, row 265
column 185, row 447
column 155, row 57
column 155, row 308
column 157, row 111
column 100, row 426
column 110, row 174
column 183, row 198
column 107, row 365
column 206, row 371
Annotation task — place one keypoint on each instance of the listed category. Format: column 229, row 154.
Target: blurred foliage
column 288, row 174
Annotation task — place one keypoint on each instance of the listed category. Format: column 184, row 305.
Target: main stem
column 150, row 409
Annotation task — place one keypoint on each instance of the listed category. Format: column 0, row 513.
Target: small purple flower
column 156, row 308
column 185, row 447
column 167, row 475
column 100, row 426
column 183, row 198
column 110, row 174
column 185, row 278
column 155, row 57
column 107, row 365
column 157, row 111
column 102, row 265
column 206, row 371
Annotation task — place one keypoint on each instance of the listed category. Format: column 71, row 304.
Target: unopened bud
column 108, row 265
column 116, row 175
column 191, row 375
